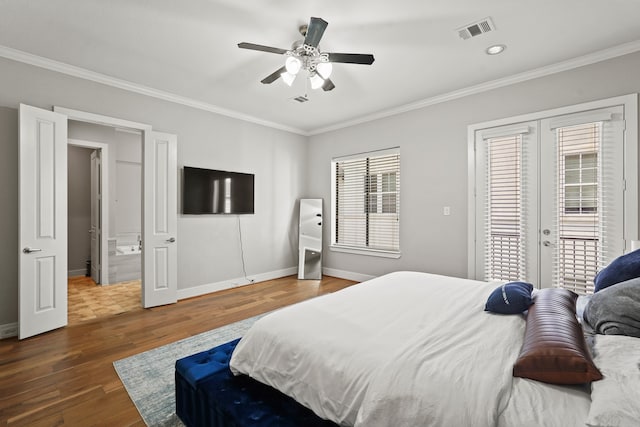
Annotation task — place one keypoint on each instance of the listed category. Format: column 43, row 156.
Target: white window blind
column 366, row 205
column 505, row 222
column 580, row 206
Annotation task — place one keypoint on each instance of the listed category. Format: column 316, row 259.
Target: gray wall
column 128, row 188
column 9, row 218
column 208, row 246
column 79, row 208
column 433, row 145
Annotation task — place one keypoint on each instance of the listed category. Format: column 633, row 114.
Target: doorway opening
column 104, row 221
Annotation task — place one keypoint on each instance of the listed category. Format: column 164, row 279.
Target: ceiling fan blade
column 328, row 85
column 315, row 31
column 352, row 58
column 262, row 48
column 274, row 76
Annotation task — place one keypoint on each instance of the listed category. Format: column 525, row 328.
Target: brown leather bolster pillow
column 554, row 349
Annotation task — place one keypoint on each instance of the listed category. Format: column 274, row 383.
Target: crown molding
column 71, row 70
column 82, row 73
column 569, row 64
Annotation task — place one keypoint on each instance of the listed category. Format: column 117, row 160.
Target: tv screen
column 207, row 191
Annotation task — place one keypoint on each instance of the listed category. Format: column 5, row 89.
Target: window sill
column 368, row 252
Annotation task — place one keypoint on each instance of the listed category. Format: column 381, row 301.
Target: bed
column 413, row 348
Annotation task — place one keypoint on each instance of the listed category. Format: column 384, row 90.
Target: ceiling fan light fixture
column 306, row 55
column 288, row 78
column 324, row 69
column 316, row 81
column 293, row 65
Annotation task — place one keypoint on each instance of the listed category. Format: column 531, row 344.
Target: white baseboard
column 349, row 275
column 233, row 283
column 74, row 273
column 9, row 330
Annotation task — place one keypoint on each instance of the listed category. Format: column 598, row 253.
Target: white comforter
column 404, row 349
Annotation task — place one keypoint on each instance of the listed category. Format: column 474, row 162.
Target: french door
column 550, row 198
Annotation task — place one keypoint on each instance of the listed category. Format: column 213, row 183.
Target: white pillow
column 615, row 400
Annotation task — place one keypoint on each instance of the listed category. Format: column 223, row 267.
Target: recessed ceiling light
column 495, row 49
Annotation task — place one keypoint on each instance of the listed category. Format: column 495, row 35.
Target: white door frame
column 104, row 214
column 630, row 104
column 154, row 291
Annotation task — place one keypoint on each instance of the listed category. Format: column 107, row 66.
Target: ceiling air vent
column 483, row 26
column 301, row 98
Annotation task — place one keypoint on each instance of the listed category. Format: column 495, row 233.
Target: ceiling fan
column 306, row 55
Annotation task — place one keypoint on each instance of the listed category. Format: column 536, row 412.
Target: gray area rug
column 149, row 377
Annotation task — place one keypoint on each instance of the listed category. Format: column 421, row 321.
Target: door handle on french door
column 28, row 250
column 547, row 243
column 171, row 240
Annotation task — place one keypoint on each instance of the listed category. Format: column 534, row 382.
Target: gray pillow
column 616, row 310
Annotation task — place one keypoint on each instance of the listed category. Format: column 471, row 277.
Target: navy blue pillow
column 621, row 269
column 510, row 298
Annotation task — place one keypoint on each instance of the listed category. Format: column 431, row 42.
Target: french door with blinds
column 550, row 199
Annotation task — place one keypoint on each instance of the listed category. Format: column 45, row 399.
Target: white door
column 506, row 203
column 43, row 221
column 581, row 207
column 159, row 216
column 96, row 209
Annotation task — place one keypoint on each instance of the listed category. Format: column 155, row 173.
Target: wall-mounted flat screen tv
column 207, row 191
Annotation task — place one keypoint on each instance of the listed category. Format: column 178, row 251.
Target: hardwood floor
column 88, row 301
column 66, row 377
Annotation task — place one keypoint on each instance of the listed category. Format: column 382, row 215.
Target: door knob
column 171, row 240
column 28, row 250
column 547, row 243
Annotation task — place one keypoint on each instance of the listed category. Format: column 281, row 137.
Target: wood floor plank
column 66, row 376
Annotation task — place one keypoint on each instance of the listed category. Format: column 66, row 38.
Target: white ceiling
column 189, row 48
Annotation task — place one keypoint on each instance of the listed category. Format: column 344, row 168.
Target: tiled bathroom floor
column 90, row 301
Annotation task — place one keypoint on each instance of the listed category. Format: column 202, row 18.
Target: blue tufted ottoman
column 208, row 394
column 191, row 371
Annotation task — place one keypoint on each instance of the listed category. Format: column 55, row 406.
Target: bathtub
column 127, row 249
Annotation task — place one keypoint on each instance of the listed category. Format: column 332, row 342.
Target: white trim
column 76, row 273
column 99, row 119
column 60, row 67
column 373, row 153
column 630, row 104
column 104, row 214
column 505, row 131
column 471, row 200
column 348, row 275
column 580, row 119
column 545, row 114
column 82, row 73
column 208, row 288
column 8, row 330
column 631, row 168
column 362, row 251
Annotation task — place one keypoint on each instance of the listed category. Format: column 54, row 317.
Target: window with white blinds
column 366, row 201
column 578, row 245
column 505, row 222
